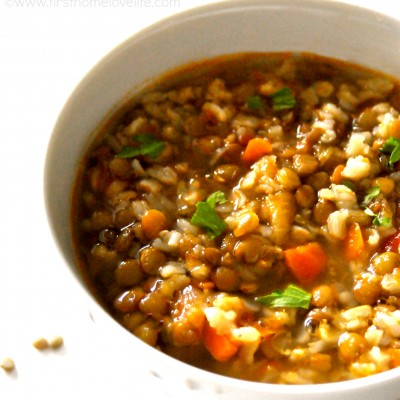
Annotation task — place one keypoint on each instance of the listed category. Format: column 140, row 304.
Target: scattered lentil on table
column 54, row 343
column 8, row 364
column 40, row 344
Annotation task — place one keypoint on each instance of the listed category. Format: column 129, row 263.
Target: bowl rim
column 154, row 29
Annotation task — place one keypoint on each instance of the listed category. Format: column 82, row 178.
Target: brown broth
column 299, row 192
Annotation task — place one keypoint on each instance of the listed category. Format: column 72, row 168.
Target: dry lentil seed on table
column 242, row 216
column 8, row 364
column 54, row 343
column 40, row 344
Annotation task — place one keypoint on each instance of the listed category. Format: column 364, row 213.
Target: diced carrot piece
column 336, row 176
column 306, row 262
column 221, row 347
column 394, row 358
column 255, row 149
column 354, row 244
column 153, row 222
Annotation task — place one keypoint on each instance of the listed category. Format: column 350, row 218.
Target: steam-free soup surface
column 242, row 216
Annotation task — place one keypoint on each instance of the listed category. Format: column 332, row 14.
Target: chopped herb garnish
column 371, row 194
column 392, row 147
column 216, row 198
column 283, row 99
column 292, row 296
column 255, row 103
column 385, row 222
column 369, row 212
column 148, row 145
column 349, row 184
column 206, row 217
column 378, row 221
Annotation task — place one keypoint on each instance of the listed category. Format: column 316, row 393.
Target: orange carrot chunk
column 337, row 174
column 220, row 347
column 153, row 222
column 354, row 244
column 255, row 149
column 394, row 358
column 306, row 262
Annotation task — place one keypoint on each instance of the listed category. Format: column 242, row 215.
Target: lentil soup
column 242, row 216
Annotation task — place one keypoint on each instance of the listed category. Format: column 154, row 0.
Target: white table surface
column 45, row 51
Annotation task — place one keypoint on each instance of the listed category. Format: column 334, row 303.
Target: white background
column 44, row 52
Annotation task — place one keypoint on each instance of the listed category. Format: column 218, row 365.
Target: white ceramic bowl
column 327, row 28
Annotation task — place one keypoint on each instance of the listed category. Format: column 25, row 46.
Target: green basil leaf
column 283, row 99
column 255, row 103
column 392, row 147
column 371, row 194
column 207, row 218
column 292, row 296
column 378, row 221
column 216, row 198
column 389, row 145
column 395, row 156
column 385, row 222
column 148, row 145
column 129, row 152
